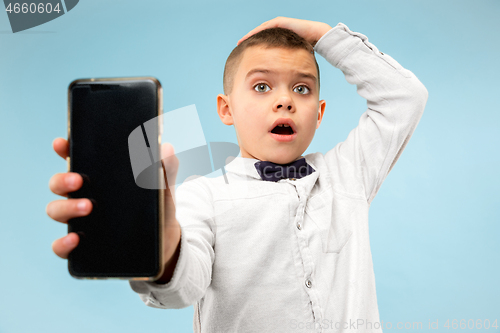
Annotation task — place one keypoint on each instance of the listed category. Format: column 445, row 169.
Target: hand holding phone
column 65, row 209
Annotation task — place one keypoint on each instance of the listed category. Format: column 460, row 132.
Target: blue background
column 434, row 225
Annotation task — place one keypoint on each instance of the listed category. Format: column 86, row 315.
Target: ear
column 321, row 111
column 224, row 110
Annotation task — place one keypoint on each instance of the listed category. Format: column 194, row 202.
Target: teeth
column 284, row 125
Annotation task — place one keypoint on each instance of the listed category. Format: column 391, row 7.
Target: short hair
column 269, row 38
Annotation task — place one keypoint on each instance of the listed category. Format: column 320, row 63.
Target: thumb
column 169, row 218
column 169, row 159
column 170, row 165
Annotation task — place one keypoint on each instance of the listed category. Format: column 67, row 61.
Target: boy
column 283, row 251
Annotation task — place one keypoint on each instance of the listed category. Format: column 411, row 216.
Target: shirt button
column 299, row 226
column 308, row 283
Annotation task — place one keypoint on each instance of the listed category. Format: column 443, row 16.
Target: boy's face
column 273, row 83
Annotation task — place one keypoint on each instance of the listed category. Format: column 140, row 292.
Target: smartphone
column 122, row 237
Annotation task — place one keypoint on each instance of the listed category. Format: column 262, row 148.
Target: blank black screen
column 120, row 237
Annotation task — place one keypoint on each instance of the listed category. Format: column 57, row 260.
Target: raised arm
column 395, row 98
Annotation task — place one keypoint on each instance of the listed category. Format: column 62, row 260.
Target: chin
column 285, row 159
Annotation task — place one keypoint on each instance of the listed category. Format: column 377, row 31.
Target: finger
column 265, row 25
column 169, row 200
column 170, row 164
column 169, row 182
column 61, row 147
column 63, row 210
column 64, row 245
column 275, row 22
column 63, row 183
column 168, row 193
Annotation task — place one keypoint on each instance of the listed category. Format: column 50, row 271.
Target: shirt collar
column 243, row 166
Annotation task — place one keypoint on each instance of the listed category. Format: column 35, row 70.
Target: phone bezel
column 161, row 206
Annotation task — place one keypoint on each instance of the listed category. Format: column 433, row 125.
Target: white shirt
column 294, row 255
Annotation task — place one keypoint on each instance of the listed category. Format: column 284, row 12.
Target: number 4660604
column 32, row 8
column 471, row 324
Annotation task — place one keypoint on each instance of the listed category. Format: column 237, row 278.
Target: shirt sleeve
column 193, row 271
column 395, row 103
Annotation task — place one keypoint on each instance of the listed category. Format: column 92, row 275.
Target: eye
column 262, row 87
column 301, row 89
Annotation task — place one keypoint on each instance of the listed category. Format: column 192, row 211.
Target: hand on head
column 311, row 31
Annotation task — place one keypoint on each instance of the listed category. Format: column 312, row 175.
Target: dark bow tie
column 273, row 172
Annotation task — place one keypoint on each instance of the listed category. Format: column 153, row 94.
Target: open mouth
column 282, row 130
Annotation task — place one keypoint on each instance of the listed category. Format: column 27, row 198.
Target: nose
column 284, row 102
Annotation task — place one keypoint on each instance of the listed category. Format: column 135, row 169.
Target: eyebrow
column 267, row 71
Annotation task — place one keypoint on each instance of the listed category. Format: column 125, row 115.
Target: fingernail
column 68, row 241
column 70, row 181
column 82, row 205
